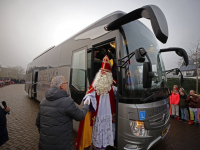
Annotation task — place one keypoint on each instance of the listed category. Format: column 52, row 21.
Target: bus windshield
column 133, row 36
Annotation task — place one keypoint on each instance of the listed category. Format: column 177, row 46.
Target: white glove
column 87, row 101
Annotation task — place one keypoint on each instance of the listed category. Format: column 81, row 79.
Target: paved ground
column 24, row 135
column 22, row 131
column 181, row 136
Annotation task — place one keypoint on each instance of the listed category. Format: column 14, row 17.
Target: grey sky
column 28, row 27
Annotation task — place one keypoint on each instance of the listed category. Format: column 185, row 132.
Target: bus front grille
column 160, row 119
column 157, row 110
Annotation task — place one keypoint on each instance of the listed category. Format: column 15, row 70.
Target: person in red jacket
column 174, row 101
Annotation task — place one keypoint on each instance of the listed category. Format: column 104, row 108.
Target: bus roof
column 105, row 20
column 44, row 52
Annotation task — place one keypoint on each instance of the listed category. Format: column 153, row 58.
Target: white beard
column 102, row 82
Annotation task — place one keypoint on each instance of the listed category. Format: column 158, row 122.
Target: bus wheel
column 30, row 94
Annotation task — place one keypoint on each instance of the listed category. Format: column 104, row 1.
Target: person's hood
column 54, row 94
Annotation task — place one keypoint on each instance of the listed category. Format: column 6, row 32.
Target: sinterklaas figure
column 98, row 128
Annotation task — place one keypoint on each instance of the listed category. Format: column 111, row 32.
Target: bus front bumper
column 142, row 143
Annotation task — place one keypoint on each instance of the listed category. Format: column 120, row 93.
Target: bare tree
column 180, row 62
column 194, row 54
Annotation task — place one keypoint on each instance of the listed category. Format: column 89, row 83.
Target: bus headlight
column 137, row 128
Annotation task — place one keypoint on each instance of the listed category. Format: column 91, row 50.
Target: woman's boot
column 190, row 122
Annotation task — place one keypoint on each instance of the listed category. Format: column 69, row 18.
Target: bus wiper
column 124, row 63
column 140, row 53
column 153, row 94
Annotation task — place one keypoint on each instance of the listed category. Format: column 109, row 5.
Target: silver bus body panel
column 64, row 50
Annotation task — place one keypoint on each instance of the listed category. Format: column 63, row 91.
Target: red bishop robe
column 98, row 125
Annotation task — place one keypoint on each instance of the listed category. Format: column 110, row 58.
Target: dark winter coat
column 54, row 120
column 193, row 102
column 3, row 129
column 183, row 103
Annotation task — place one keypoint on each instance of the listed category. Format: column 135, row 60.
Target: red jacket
column 174, row 98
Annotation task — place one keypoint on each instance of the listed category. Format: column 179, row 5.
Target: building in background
column 190, row 71
column 9, row 73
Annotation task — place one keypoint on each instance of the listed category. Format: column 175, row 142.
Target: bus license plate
column 164, row 131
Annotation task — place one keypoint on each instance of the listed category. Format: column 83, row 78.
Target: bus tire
column 29, row 94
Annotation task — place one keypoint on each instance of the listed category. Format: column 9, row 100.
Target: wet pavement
column 24, row 135
column 181, row 136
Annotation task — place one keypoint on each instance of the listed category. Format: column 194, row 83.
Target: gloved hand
column 87, row 101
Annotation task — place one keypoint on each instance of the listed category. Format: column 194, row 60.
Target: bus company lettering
column 47, row 75
column 156, row 110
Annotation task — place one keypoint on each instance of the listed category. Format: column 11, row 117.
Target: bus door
column 78, row 75
column 94, row 61
column 30, row 85
column 90, row 59
column 35, row 81
column 99, row 51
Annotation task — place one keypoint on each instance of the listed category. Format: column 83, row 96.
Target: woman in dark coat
column 183, row 104
column 3, row 129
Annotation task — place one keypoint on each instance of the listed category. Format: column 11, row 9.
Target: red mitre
column 106, row 66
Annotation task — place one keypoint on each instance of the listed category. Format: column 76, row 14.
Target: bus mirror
column 176, row 72
column 182, row 53
column 181, row 80
column 139, row 55
column 158, row 21
column 152, row 12
column 179, row 51
column 147, row 79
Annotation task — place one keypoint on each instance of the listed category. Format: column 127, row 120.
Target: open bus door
column 35, row 80
column 32, row 91
column 95, row 57
column 30, row 86
column 90, row 77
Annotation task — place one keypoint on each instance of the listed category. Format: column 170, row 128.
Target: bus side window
column 77, row 79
